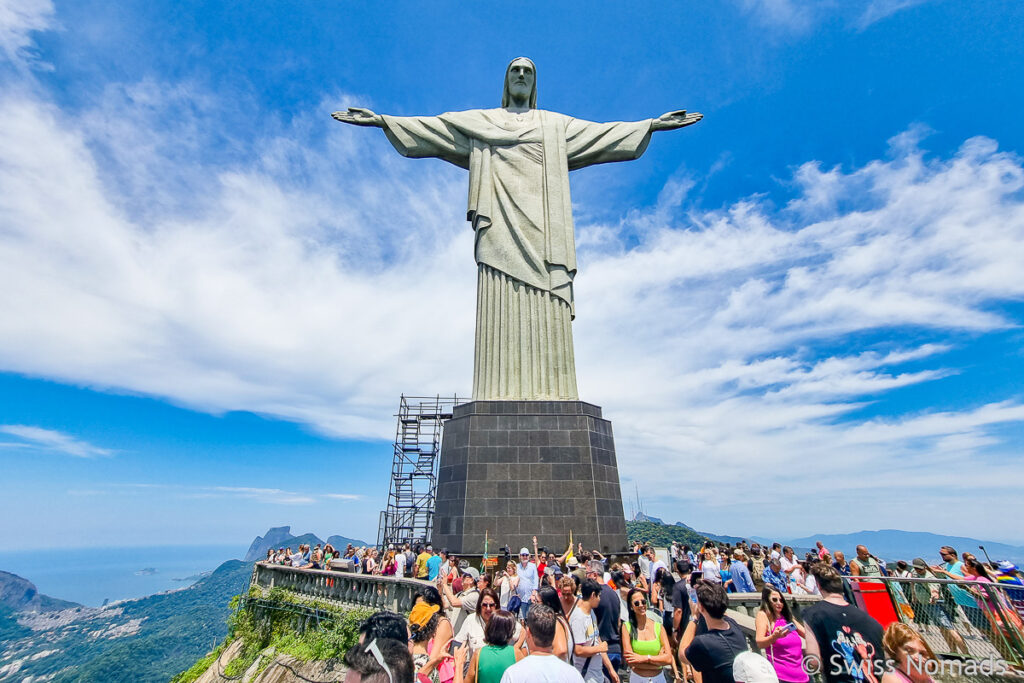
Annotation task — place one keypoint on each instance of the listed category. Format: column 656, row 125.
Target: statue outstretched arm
column 675, row 119
column 358, row 116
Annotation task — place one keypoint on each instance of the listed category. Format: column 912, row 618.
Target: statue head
column 520, row 82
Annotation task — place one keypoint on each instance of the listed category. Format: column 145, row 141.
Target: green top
column 645, row 647
column 492, row 662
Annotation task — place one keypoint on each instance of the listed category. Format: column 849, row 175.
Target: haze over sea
column 91, row 575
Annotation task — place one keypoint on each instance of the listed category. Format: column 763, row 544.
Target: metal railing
column 338, row 588
column 962, row 619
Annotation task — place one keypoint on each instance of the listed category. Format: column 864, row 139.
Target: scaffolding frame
column 409, row 516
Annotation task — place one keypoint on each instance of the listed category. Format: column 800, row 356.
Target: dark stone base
column 516, row 469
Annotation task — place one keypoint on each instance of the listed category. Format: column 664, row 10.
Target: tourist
column 526, row 587
column 567, row 593
column 926, row 601
column 428, row 648
column 666, row 581
column 681, row 613
column 865, row 564
column 541, row 666
column 464, row 604
column 712, row 653
column 422, row 555
column 779, row 636
column 709, row 567
column 607, row 613
column 776, row 553
column 433, row 565
column 370, row 565
column 773, row 576
column 590, row 653
column 835, row 627
column 822, row 550
column 741, row 580
column 840, row 564
column 505, row 582
column 954, row 569
column 270, row 556
column 473, row 629
column 750, row 667
column 644, row 560
column 576, row 570
column 723, row 571
column 495, row 654
column 645, row 646
column 756, row 566
column 563, row 643
column 909, row 654
column 654, row 564
column 902, row 570
column 986, row 598
column 395, row 664
column 789, row 564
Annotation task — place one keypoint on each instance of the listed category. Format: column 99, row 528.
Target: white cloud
column 325, row 275
column 18, row 20
column 798, row 16
column 52, row 440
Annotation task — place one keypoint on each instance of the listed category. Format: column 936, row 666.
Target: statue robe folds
column 520, row 209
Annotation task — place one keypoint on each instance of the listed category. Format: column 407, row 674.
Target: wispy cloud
column 799, row 16
column 270, row 495
column 18, row 20
column 53, row 440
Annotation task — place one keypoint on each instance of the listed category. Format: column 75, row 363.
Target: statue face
column 521, row 78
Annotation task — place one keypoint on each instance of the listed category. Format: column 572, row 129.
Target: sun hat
column 750, row 667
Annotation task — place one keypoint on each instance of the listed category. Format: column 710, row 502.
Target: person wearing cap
column 607, row 612
column 528, row 584
column 926, row 600
column 421, row 562
column 464, row 604
column 750, row 667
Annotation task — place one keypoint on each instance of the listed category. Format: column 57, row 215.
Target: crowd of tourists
column 577, row 616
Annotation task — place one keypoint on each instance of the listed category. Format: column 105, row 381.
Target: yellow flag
column 568, row 554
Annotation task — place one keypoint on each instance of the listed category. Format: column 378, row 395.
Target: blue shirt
column 741, row 578
column 433, row 567
column 775, row 580
column 528, row 580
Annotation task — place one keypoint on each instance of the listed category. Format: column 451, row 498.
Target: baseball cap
column 920, row 563
column 524, row 551
column 471, row 572
column 572, row 562
column 750, row 667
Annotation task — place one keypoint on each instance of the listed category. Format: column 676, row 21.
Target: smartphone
column 790, row 627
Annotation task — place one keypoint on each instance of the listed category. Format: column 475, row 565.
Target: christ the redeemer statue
column 519, row 158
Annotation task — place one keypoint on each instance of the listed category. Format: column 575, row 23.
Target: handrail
column 340, row 588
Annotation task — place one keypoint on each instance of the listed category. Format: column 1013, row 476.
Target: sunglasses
column 490, row 605
column 639, row 603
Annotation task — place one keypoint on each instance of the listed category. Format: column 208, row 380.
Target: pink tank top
column 786, row 655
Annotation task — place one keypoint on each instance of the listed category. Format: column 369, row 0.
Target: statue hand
column 676, row 119
column 359, row 117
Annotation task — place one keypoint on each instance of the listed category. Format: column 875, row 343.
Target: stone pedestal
column 516, row 469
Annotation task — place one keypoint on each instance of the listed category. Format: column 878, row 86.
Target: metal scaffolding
column 409, row 516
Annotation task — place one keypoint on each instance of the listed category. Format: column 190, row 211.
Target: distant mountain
column 341, row 542
column 662, row 535
column 714, row 537
column 894, row 544
column 281, row 537
column 641, row 517
column 21, row 595
column 148, row 639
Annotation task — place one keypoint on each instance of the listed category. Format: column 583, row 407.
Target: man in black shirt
column 712, row 653
column 607, row 614
column 681, row 599
column 842, row 639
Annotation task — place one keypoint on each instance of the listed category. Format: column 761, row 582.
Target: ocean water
column 90, row 576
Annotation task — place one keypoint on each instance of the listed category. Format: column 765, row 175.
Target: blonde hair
column 896, row 637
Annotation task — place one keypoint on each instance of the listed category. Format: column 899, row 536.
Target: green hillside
column 662, row 535
column 149, row 639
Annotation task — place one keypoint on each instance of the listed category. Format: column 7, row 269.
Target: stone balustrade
column 339, row 588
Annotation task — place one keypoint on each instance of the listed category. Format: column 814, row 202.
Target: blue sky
column 802, row 315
